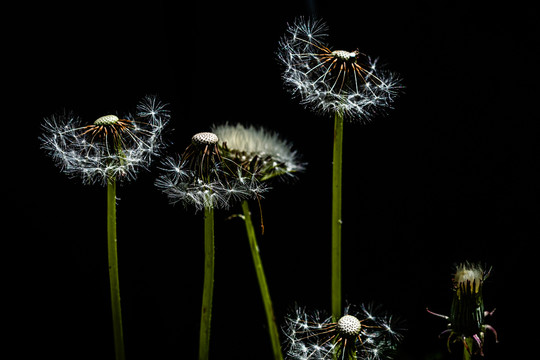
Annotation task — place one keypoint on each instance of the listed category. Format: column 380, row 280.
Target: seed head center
column 106, row 120
column 349, row 326
column 344, row 55
column 205, row 138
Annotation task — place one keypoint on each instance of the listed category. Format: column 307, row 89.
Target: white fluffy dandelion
column 259, row 151
column 330, row 81
column 344, row 83
column 261, row 155
column 366, row 334
column 200, row 177
column 112, row 147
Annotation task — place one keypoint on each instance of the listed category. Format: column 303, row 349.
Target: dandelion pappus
column 110, row 146
column 203, row 154
column 329, row 80
column 359, row 336
column 104, row 125
column 349, row 71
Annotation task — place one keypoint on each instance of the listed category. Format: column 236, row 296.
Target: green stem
column 467, row 350
column 270, row 318
column 113, row 270
column 208, row 287
column 336, row 215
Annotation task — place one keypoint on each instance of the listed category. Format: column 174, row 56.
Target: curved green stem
column 467, row 350
column 336, row 215
column 208, row 287
column 113, row 270
column 270, row 318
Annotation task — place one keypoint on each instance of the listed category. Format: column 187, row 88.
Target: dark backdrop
column 449, row 175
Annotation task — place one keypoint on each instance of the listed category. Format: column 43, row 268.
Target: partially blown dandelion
column 466, row 321
column 112, row 147
column 265, row 155
column 363, row 335
column 201, row 178
column 330, row 81
column 343, row 83
column 108, row 150
column 259, row 151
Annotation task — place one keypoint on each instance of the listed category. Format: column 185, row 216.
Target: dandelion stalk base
column 113, row 271
column 336, row 215
column 467, row 349
column 272, row 328
column 208, row 287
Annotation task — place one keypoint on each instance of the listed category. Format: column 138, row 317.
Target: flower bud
column 467, row 311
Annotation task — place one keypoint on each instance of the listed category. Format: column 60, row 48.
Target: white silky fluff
column 184, row 185
column 260, row 142
column 77, row 155
column 305, row 75
column 312, row 336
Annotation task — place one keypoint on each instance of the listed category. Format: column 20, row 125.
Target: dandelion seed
column 355, row 335
column 111, row 147
column 330, row 81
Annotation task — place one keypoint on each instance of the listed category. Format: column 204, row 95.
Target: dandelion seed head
column 313, row 336
column 349, row 325
column 200, row 178
column 205, row 138
column 106, row 120
column 259, row 151
column 111, row 147
column 330, row 81
column 344, row 55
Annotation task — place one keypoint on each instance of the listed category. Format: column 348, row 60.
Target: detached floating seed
column 205, row 138
column 106, row 120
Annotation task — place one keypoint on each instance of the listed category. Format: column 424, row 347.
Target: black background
column 449, row 175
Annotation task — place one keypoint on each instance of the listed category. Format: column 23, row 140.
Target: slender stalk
column 468, row 349
column 113, row 270
column 270, row 318
column 336, row 215
column 208, row 287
